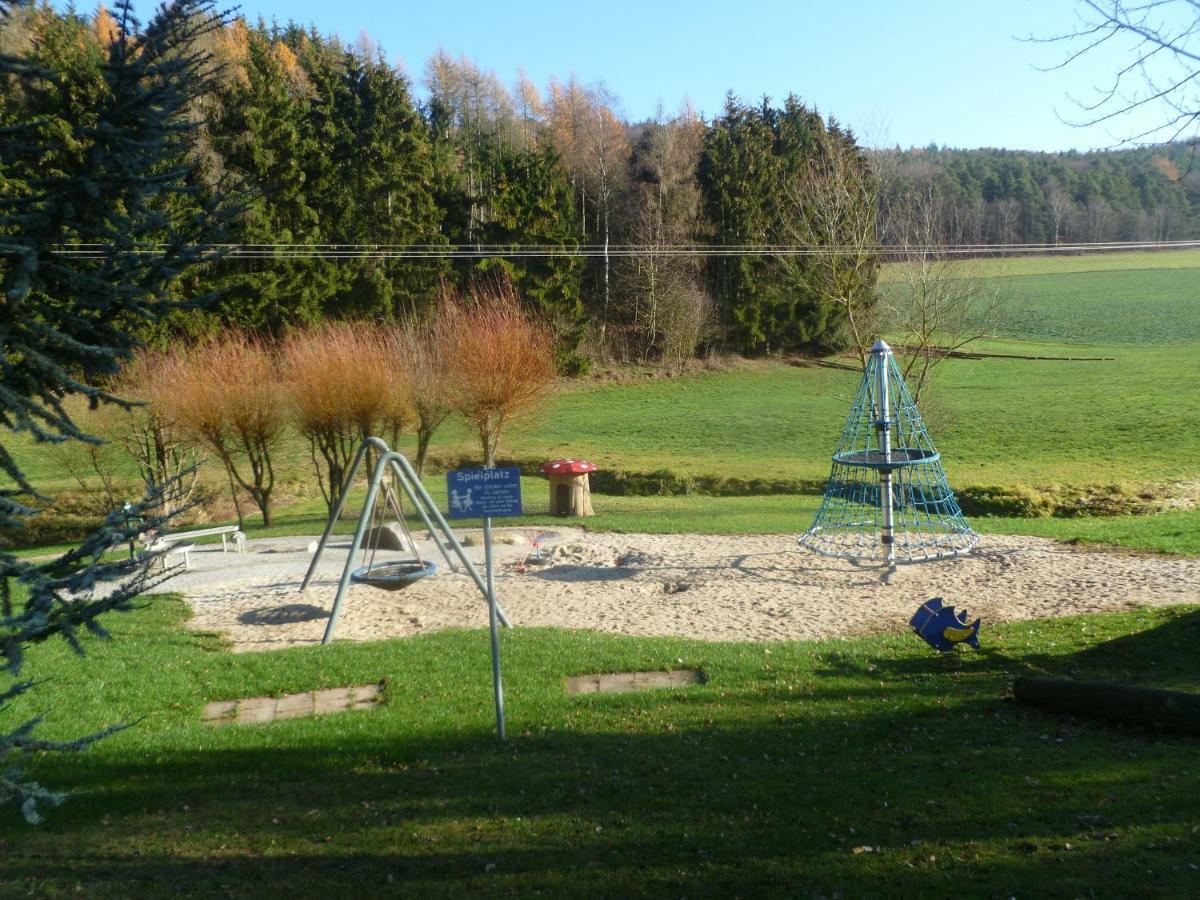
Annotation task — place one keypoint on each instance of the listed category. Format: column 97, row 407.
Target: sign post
column 484, row 493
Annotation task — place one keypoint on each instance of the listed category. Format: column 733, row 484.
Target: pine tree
column 750, row 156
column 384, row 178
column 269, row 150
column 93, row 153
column 737, row 175
column 531, row 204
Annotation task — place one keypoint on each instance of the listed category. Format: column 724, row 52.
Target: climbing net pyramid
column 887, row 499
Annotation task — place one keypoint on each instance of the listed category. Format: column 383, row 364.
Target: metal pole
column 887, row 536
column 359, row 531
column 497, row 686
column 420, row 508
column 337, row 510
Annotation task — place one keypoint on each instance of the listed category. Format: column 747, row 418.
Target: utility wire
column 594, row 251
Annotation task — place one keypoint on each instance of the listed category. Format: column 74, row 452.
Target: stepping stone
column 624, row 682
column 292, row 706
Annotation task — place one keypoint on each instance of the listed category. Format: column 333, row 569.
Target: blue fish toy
column 942, row 628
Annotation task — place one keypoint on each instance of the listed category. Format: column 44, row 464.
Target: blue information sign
column 484, row 493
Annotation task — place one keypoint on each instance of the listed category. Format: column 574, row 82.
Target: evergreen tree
column 737, row 175
column 94, row 145
column 531, row 204
column 269, row 151
column 385, row 166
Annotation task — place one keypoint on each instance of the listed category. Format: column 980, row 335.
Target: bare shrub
column 686, row 317
column 421, row 348
column 225, row 393
column 338, row 381
column 501, row 361
column 96, row 466
column 167, row 461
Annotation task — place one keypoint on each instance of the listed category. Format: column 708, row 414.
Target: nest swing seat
column 393, row 576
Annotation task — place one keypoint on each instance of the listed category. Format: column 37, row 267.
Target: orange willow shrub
column 225, row 393
column 500, row 361
column 343, row 384
column 421, row 347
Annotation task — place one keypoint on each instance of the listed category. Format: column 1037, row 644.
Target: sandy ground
column 714, row 587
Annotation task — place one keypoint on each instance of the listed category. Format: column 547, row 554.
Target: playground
column 888, row 535
column 713, row 587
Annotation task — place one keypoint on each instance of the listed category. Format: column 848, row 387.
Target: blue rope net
column 885, row 450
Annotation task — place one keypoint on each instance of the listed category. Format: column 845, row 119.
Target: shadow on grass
column 860, row 769
column 1164, row 655
column 965, row 788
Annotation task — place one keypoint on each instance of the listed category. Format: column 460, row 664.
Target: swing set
column 392, row 470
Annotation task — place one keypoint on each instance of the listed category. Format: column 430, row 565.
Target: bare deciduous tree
column 92, row 462
column 340, row 387
column 422, row 348
column 832, row 200
column 936, row 306
column 663, row 212
column 168, row 463
column 1161, row 42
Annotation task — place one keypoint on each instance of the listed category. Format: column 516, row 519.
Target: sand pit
column 714, row 587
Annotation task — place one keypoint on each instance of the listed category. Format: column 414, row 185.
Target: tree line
column 991, row 196
column 315, row 143
column 321, row 143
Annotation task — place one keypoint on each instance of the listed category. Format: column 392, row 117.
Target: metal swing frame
column 389, row 461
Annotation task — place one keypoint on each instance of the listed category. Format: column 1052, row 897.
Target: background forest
column 320, row 143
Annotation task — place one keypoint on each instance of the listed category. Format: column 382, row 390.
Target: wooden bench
column 225, row 531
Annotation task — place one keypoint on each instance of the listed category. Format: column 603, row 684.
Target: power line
column 285, row 251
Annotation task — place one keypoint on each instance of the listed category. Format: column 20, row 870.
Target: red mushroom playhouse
column 570, row 492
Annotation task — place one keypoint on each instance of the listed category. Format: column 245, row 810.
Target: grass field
column 1127, row 421
column 865, row 767
column 1062, row 264
column 996, row 421
column 1132, row 307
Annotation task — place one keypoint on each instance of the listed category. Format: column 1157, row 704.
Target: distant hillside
column 1012, row 197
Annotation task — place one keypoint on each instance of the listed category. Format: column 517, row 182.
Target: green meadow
column 866, row 767
column 1117, row 413
column 862, row 767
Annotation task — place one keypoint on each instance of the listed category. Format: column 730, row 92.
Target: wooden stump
column 570, row 495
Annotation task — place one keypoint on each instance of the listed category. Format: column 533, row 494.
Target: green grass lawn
column 1128, row 421
column 1061, row 264
column 996, row 421
column 1130, row 307
column 1174, row 531
column 769, row 779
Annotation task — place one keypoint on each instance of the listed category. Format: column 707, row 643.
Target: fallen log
column 973, row 354
column 1169, row 710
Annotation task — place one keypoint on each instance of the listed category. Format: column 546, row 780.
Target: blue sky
column 907, row 72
